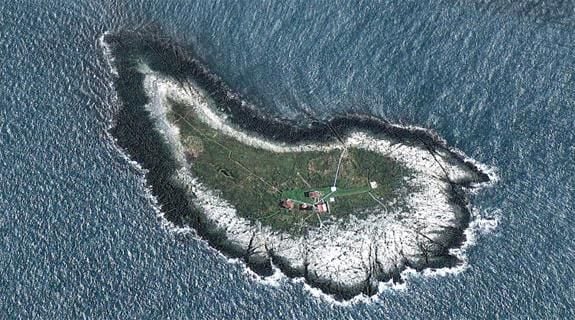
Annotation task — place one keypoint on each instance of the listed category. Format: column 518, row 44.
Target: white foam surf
column 431, row 206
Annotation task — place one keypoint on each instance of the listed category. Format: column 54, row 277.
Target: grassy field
column 256, row 180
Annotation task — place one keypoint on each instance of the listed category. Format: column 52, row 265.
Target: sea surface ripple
column 80, row 238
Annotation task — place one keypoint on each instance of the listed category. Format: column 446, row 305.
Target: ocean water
column 80, row 237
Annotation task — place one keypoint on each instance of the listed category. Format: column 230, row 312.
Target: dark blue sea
column 79, row 236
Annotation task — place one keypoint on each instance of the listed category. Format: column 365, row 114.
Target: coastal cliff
column 419, row 229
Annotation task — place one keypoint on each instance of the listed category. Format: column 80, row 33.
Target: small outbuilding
column 287, row 204
column 312, row 194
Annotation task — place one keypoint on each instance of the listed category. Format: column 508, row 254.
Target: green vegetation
column 255, row 180
column 326, row 193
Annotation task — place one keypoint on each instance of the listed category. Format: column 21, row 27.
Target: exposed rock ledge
column 344, row 260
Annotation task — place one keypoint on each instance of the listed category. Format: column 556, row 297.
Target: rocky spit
column 341, row 259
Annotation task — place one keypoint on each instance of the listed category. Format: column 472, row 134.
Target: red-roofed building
column 321, row 207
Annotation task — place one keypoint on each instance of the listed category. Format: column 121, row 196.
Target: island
column 345, row 203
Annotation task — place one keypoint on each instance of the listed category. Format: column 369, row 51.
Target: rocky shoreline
column 341, row 260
